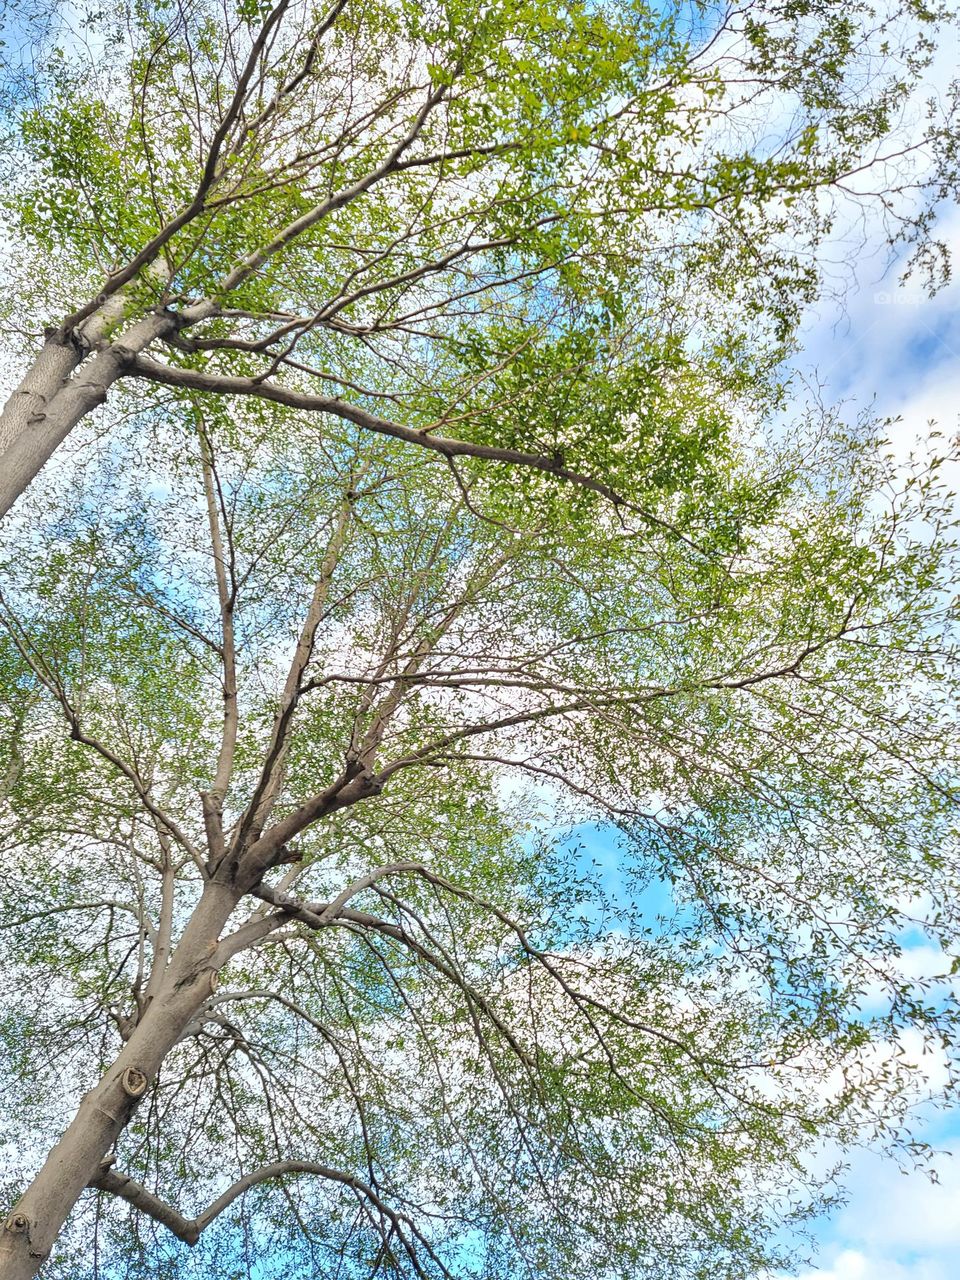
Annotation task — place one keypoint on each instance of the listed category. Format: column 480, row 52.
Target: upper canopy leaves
column 422, row 213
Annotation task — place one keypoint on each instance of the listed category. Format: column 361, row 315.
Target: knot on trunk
column 361, row 783
column 134, row 1082
column 18, row 1223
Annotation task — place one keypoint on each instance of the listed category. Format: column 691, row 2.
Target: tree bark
column 32, row 1227
column 27, row 438
column 64, row 384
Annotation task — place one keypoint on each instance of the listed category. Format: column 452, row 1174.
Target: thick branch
column 189, row 1229
column 271, row 775
column 446, row 446
column 212, row 172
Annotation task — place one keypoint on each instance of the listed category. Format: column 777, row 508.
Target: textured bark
column 28, row 431
column 32, row 1227
column 64, row 384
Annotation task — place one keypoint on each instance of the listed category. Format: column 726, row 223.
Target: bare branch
column 271, row 775
column 213, row 798
column 190, row 1229
column 446, row 446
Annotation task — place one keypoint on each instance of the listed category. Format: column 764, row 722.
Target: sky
column 890, row 346
column 887, row 345
column 880, row 344
column 894, row 1225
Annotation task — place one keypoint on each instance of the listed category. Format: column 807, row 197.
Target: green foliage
column 767, row 713
column 461, row 200
column 581, row 232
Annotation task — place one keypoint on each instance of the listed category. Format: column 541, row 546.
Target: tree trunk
column 32, row 1227
column 62, row 386
column 26, row 439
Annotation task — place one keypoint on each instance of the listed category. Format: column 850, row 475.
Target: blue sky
column 890, row 346
column 894, row 1225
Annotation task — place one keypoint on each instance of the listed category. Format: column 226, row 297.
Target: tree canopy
column 481, row 228
column 428, row 486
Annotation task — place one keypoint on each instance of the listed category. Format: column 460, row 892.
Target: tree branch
column 213, row 798
column 271, row 775
column 190, row 1229
column 446, row 446
column 40, row 669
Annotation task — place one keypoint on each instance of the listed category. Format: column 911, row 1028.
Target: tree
column 347, row 964
column 275, row 646
column 415, row 217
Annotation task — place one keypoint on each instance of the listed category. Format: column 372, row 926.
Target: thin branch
column 213, row 798
column 49, row 681
column 211, row 174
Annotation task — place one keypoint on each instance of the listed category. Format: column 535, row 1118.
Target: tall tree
column 277, row 911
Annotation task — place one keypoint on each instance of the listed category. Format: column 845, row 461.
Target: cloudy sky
column 881, row 344
column 890, row 346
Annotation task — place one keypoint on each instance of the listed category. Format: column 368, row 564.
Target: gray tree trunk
column 32, row 1227
column 61, row 387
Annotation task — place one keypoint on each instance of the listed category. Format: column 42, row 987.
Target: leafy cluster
column 537, row 1077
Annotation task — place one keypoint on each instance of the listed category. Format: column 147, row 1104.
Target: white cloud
column 904, row 1215
column 851, row 1264
column 921, row 964
column 888, row 347
column 895, row 1225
